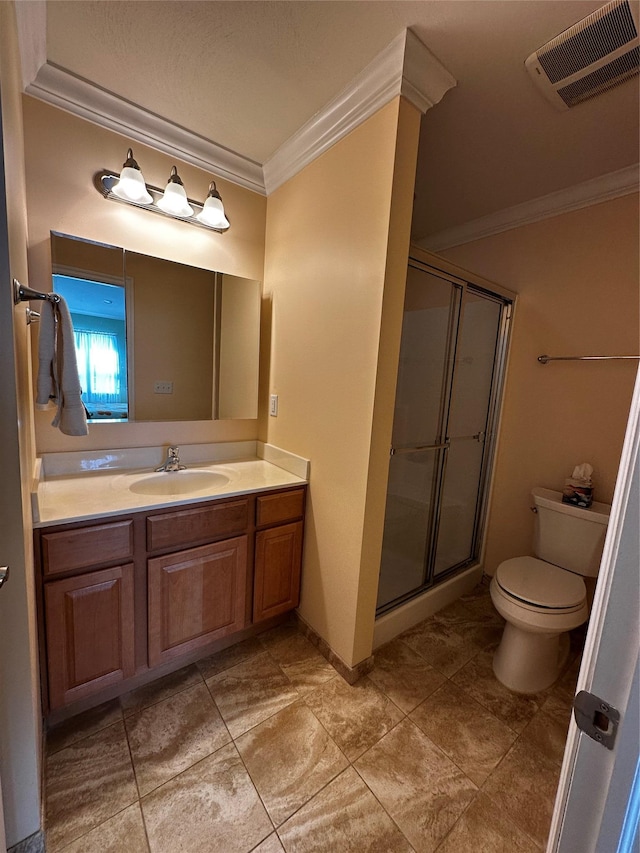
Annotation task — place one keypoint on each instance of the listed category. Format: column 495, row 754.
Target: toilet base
column 528, row 662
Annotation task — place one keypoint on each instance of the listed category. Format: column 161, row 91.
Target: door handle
column 479, row 437
column 4, row 575
column 420, row 448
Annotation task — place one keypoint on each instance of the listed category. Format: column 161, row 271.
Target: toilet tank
column 569, row 536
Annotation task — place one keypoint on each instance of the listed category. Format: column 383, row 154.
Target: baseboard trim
column 351, row 674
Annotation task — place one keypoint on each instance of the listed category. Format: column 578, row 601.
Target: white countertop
column 80, row 491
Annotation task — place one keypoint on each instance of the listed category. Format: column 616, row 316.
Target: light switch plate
column 273, row 405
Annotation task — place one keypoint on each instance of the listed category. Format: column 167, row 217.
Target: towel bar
column 26, row 294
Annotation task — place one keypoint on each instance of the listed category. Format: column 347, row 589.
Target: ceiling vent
column 589, row 58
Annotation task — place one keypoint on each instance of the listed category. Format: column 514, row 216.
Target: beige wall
column 578, row 284
column 62, row 154
column 20, row 727
column 331, row 288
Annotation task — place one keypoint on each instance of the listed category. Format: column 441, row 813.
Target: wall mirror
column 158, row 340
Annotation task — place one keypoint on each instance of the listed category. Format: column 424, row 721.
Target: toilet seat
column 537, row 584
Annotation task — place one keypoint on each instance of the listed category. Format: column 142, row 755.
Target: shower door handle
column 420, row 448
column 479, row 437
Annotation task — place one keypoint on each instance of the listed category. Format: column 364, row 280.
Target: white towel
column 58, row 380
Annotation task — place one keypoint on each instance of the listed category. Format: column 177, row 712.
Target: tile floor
column 264, row 748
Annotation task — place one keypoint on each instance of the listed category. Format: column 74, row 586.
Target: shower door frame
column 467, row 283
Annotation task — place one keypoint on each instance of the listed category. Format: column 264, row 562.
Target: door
column 19, row 703
column 598, row 799
column 449, row 381
column 196, row 596
column 90, row 633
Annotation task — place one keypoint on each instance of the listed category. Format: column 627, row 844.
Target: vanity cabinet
column 128, row 594
column 278, row 554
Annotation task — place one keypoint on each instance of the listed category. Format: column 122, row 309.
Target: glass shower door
column 429, row 330
column 449, row 377
column 467, row 430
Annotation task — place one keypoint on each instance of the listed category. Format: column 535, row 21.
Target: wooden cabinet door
column 277, row 575
column 196, row 596
column 90, row 633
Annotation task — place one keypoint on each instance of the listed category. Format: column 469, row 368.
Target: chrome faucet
column 172, row 462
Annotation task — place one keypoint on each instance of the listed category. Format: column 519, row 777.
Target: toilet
column 544, row 597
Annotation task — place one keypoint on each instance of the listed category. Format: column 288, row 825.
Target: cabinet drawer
column 274, row 509
column 193, row 525
column 86, row 546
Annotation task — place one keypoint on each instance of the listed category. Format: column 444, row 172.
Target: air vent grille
column 608, row 29
column 602, row 79
column 589, row 58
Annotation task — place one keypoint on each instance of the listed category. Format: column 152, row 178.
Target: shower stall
column 450, row 377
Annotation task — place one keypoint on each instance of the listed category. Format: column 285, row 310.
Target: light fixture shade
column 212, row 213
column 174, row 200
column 131, row 185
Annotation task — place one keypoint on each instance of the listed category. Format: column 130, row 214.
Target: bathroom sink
column 177, row 482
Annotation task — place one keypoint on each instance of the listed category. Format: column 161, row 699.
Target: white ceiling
column 248, row 75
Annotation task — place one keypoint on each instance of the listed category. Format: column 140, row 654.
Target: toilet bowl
column 543, row 598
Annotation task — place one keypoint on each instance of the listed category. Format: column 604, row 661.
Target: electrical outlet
column 273, row 405
column 160, row 387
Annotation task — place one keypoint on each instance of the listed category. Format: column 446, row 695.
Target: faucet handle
column 172, row 452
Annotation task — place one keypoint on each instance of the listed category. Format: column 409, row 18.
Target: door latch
column 596, row 718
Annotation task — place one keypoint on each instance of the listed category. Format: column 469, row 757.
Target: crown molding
column 63, row 89
column 405, row 67
column 604, row 188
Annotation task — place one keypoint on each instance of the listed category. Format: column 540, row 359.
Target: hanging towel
column 58, row 380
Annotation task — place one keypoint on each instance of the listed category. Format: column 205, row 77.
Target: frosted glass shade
column 174, row 201
column 213, row 213
column 131, row 186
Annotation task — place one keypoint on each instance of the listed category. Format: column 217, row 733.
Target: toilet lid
column 543, row 584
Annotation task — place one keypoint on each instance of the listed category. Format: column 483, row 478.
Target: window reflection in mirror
column 90, row 278
column 158, row 340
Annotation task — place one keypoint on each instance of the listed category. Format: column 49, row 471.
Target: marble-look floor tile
column 290, row 757
column 483, row 828
column 524, row 786
column 122, row 833
column 465, row 731
column 355, row 715
column 403, row 675
column 83, row 725
column 301, row 662
column 269, row 845
column 87, row 783
column 232, row 656
column 168, row 737
column 211, row 807
column 421, row 789
column 251, row 692
column 478, row 680
column 277, row 635
column 547, row 733
column 344, row 817
column 162, row 688
column 439, row 641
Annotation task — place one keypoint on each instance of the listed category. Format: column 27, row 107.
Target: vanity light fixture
column 212, row 214
column 130, row 187
column 174, row 198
